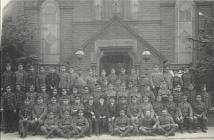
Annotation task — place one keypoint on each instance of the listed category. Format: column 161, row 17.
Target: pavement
column 178, row 136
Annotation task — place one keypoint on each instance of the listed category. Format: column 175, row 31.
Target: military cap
column 91, row 98
column 8, row 64
column 102, row 96
column 76, row 97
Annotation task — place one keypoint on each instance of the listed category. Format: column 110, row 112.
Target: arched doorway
column 117, row 61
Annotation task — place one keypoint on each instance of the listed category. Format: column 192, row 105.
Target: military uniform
column 122, row 94
column 206, row 99
column 63, row 80
column 122, row 126
column 20, row 78
column 112, row 78
column 64, row 108
column 187, row 79
column 123, row 104
column 110, row 93
column 149, row 94
column 31, row 79
column 25, row 119
column 147, row 126
column 112, row 114
column 124, row 78
column 75, row 108
column 32, row 96
column 191, row 94
column 199, row 114
column 71, row 79
column 172, row 109
column 52, row 80
column 133, row 78
column 53, row 107
column 7, row 79
column 158, row 107
column 156, row 79
column 177, row 81
column 169, row 79
column 147, row 107
column 144, row 81
column 9, row 106
column 177, row 96
column 41, row 77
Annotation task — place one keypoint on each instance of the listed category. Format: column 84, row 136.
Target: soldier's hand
column 113, row 118
column 104, row 116
column 14, row 111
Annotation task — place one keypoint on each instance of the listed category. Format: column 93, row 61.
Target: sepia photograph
column 107, row 69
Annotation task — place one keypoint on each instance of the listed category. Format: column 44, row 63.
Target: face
column 77, row 101
column 110, row 86
column 204, row 89
column 64, row 92
column 191, row 87
column 170, row 98
column 53, row 100
column 130, row 85
column 63, row 69
column 135, row 89
column 105, row 82
column 134, row 99
column 148, row 114
column 147, row 88
column 185, row 98
column 32, row 69
column 113, row 71
column 159, row 99
column 75, row 90
column 178, row 88
column 146, row 99
column 54, row 92
column 198, row 97
column 71, row 70
column 40, row 100
column 18, row 87
column 8, row 89
column 42, row 69
column 98, row 88
column 103, row 73
column 123, row 71
column 8, row 68
column 102, row 100
column 86, row 90
column 164, row 112
column 122, row 113
column 32, row 89
column 65, row 102
column 90, row 101
column 27, row 102
column 67, row 115
column 20, row 67
column 112, row 100
column 186, row 70
column 51, row 115
column 156, row 68
column 123, row 86
column 43, row 89
column 80, row 113
column 164, row 85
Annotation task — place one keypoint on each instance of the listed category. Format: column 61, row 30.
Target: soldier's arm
column 42, row 116
column 190, row 111
column 151, row 80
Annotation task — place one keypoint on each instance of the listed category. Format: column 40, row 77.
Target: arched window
column 50, row 32
column 98, row 9
column 134, row 8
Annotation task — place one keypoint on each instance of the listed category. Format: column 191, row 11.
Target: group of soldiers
column 71, row 104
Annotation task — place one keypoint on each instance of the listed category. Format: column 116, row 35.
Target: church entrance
column 116, row 61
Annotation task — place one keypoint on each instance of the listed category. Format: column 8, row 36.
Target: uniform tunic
column 112, row 78
column 112, row 110
column 52, row 80
column 41, row 79
column 169, row 79
column 20, row 77
column 20, row 96
column 177, row 81
column 8, row 79
column 134, row 79
column 31, row 79
column 71, row 79
column 147, row 107
column 63, row 82
column 187, row 79
column 55, row 108
column 40, row 111
column 185, row 109
column 177, row 96
column 158, row 107
column 32, row 96
column 172, row 108
column 76, row 107
column 121, row 122
column 134, row 110
column 156, row 79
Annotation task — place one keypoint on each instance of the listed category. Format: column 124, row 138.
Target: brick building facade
column 113, row 33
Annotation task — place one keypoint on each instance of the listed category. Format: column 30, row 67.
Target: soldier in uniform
column 53, row 106
column 187, row 79
column 171, row 107
column 134, row 92
column 41, row 77
column 9, row 107
column 31, row 94
column 177, row 94
column 55, row 94
column 65, row 106
column 123, row 92
column 112, row 77
column 164, row 92
column 177, row 80
column 97, row 93
column 81, row 125
column 102, row 114
column 191, row 93
column 112, row 113
column 80, row 81
column 20, row 76
column 76, row 106
column 63, row 78
column 117, row 87
column 123, row 76
column 39, row 113
column 146, row 106
column 25, row 118
column 85, row 95
column 72, row 76
column 43, row 93
column 134, row 112
column 110, row 92
column 63, row 96
column 91, row 80
column 158, row 106
column 66, row 125
column 205, row 97
column 149, row 93
column 133, row 77
column 102, row 78
column 168, row 77
column 50, row 126
column 31, row 78
column 7, row 77
column 144, row 81
column 166, row 125
column 156, row 78
column 148, row 124
column 52, row 79
column 122, row 125
column 185, row 114
column 89, row 113
column 199, row 113
column 123, row 104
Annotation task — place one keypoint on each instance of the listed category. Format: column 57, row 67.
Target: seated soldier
column 112, row 113
column 149, row 93
column 43, row 93
column 110, row 92
column 64, row 107
column 148, row 124
column 32, row 94
column 25, row 118
column 75, row 92
column 158, row 106
column 123, row 104
column 66, row 127
column 171, row 107
column 76, row 106
column 85, row 95
column 63, row 96
column 164, row 92
column 89, row 113
column 55, row 94
column 177, row 94
column 97, row 93
column 102, row 114
column 39, row 113
column 166, row 125
column 146, row 106
column 50, row 126
column 122, row 125
column 53, row 106
column 122, row 93
column 185, row 114
column 199, row 114
column 134, row 112
column 81, row 125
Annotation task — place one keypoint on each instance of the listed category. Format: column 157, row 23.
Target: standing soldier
column 112, row 77
column 122, row 125
column 39, row 113
column 205, row 97
column 164, row 92
column 76, row 106
column 166, row 125
column 7, row 77
column 81, row 125
column 112, row 113
column 168, row 77
column 63, row 96
column 123, row 76
column 177, row 94
column 156, row 78
column 53, row 106
column 149, row 93
column 117, row 87
column 31, row 78
column 20, row 76
column 50, row 126
column 97, row 93
column 133, row 77
column 123, row 104
column 134, row 112
column 110, row 92
column 199, row 114
column 123, row 92
column 31, row 94
column 148, row 124
column 187, row 79
column 185, row 114
column 80, row 81
column 172, row 108
column 41, row 77
column 43, row 93
column 177, row 80
column 9, row 107
column 191, row 93
column 102, row 114
column 54, row 93
column 158, row 106
column 25, row 118
column 102, row 78
column 89, row 113
column 91, row 80
column 52, row 79
column 65, row 106
column 72, row 76
column 66, row 125
column 144, row 81
column 63, row 78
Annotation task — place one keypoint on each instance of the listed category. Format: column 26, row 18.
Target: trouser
column 155, row 90
column 66, row 132
column 111, row 125
column 36, row 125
column 122, row 132
column 167, row 129
column 201, row 120
column 187, row 121
column 48, row 131
column 103, row 125
column 93, row 126
column 147, row 130
column 23, row 127
column 10, row 120
column 134, row 130
column 80, row 132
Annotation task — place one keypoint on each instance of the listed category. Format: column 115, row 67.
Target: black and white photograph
column 107, row 69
